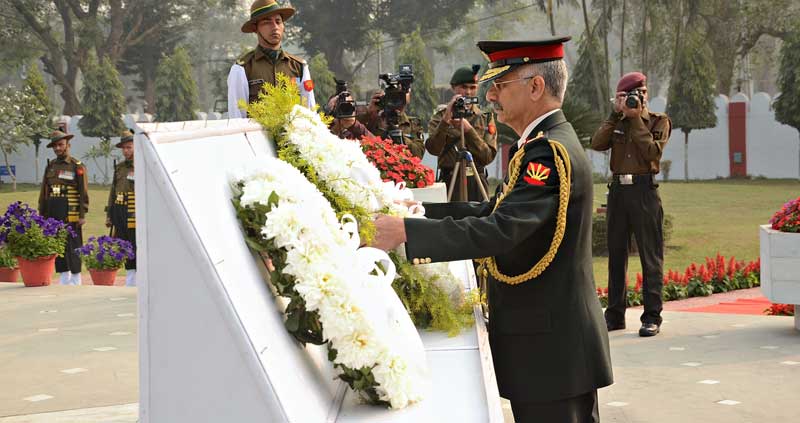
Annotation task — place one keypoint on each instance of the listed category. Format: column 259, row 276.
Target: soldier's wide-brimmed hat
column 58, row 136
column 126, row 136
column 260, row 9
column 505, row 56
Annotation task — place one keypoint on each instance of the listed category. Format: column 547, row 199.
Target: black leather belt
column 629, row 179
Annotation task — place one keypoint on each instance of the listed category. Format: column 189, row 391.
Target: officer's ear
column 537, row 88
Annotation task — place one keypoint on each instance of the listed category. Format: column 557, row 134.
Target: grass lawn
column 95, row 219
column 710, row 217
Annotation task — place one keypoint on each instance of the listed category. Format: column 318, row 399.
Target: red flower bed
column 780, row 310
column 717, row 274
column 396, row 163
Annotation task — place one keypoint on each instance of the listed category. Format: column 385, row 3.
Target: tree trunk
column 149, row 95
column 686, row 155
column 676, row 56
column 606, row 17
column 595, row 75
column 645, row 17
column 550, row 16
column 622, row 40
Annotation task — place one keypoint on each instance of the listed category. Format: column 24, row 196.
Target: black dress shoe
column 649, row 329
column 614, row 326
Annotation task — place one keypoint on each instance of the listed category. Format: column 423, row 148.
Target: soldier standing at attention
column 261, row 65
column 480, row 135
column 533, row 239
column 121, row 209
column 65, row 196
column 636, row 137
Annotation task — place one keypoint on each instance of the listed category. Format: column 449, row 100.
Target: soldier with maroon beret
column 636, row 137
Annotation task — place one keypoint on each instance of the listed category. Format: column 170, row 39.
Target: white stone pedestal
column 780, row 267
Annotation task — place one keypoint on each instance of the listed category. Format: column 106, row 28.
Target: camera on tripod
column 634, row 98
column 345, row 106
column 462, row 107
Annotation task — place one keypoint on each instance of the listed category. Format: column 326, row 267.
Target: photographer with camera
column 342, row 107
column 636, row 137
column 480, row 135
column 386, row 114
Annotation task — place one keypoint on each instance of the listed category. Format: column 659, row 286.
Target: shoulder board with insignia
column 295, row 58
column 245, row 57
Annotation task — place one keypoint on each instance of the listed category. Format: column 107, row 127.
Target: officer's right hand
column 108, row 222
column 619, row 101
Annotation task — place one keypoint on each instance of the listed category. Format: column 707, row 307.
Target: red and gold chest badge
column 492, row 128
column 536, row 174
column 308, row 85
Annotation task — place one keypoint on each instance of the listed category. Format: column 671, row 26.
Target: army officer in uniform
column 546, row 329
column 121, row 209
column 480, row 136
column 261, row 65
column 65, row 196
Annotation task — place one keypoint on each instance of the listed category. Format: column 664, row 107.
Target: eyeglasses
column 497, row 85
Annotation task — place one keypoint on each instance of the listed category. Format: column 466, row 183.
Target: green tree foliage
column 423, row 97
column 691, row 93
column 20, row 120
column 176, row 91
column 102, row 108
column 787, row 106
column 324, row 79
column 35, row 86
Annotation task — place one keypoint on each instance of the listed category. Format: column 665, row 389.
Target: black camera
column 345, row 106
column 396, row 88
column 634, row 98
column 462, row 107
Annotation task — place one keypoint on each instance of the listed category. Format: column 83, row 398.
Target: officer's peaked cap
column 505, row 56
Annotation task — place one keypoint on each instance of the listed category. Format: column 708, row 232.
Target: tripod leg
column 479, row 181
column 453, row 181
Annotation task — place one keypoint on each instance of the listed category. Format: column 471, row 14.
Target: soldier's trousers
column 71, row 262
column 635, row 209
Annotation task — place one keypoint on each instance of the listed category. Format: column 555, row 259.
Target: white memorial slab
column 212, row 342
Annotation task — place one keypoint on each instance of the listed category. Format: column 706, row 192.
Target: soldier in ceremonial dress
column 121, row 208
column 262, row 65
column 533, row 240
column 65, row 196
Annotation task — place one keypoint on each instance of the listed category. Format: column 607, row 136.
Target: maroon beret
column 630, row 81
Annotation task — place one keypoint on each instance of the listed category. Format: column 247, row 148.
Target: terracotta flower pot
column 103, row 277
column 9, row 274
column 37, row 272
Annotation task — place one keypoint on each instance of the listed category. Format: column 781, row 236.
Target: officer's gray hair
column 554, row 73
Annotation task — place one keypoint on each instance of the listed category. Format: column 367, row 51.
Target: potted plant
column 104, row 256
column 34, row 240
column 9, row 269
column 780, row 256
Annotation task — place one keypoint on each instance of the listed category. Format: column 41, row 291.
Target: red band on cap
column 553, row 51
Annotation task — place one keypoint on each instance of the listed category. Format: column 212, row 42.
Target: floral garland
column 352, row 185
column 338, row 294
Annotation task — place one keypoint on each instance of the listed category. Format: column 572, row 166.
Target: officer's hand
column 463, row 122
column 448, row 112
column 632, row 112
column 108, row 223
column 389, row 232
column 619, row 101
column 81, row 221
column 373, row 108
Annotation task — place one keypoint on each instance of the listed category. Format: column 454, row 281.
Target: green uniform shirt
column 410, row 126
column 261, row 68
column 481, row 140
column 636, row 144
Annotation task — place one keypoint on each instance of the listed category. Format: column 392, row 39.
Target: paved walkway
column 70, row 355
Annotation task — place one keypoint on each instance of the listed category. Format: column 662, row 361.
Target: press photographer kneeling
column 342, row 107
column 386, row 114
column 479, row 138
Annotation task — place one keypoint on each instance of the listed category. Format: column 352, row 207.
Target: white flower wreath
column 361, row 316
